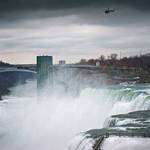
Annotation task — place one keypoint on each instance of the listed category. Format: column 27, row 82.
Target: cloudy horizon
column 72, row 29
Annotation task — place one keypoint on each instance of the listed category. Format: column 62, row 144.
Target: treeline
column 142, row 61
column 4, row 64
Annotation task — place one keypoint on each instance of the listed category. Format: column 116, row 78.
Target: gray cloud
column 74, row 27
column 86, row 11
column 7, row 6
column 71, row 38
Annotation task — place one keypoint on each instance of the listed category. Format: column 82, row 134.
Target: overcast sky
column 72, row 29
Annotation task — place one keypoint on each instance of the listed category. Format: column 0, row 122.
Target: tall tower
column 44, row 71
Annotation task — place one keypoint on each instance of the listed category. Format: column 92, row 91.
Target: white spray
column 54, row 120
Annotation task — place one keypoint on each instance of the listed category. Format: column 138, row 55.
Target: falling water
column 52, row 121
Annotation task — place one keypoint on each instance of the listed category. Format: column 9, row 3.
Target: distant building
column 97, row 64
column 62, row 62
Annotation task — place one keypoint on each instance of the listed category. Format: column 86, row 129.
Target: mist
column 52, row 120
column 48, row 121
column 126, row 143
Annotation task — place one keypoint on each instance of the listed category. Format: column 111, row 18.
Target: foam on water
column 125, row 143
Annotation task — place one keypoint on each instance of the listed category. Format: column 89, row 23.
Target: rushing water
column 51, row 122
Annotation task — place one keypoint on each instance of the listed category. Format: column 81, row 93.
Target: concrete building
column 44, row 71
column 62, row 62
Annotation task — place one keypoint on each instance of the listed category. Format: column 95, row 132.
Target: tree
column 83, row 62
column 91, row 62
column 102, row 58
column 113, row 56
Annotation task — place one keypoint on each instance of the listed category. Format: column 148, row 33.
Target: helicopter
column 108, row 11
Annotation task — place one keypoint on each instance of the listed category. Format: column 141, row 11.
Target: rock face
column 10, row 79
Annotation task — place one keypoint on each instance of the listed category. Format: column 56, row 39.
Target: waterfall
column 52, row 122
